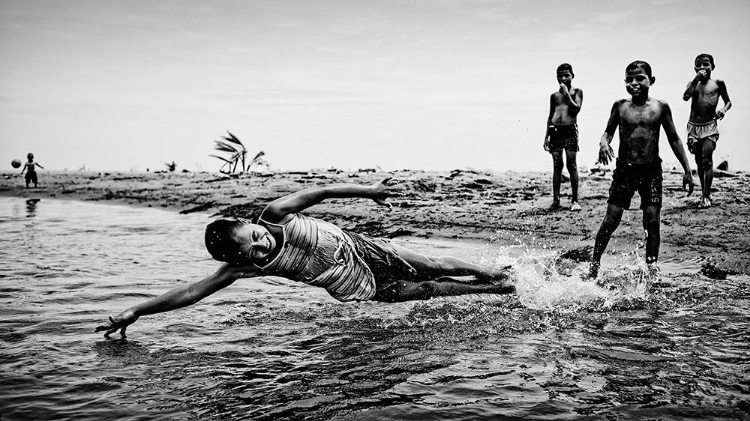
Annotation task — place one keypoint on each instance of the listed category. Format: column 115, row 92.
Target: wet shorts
column 629, row 178
column 563, row 137
column 698, row 132
column 389, row 269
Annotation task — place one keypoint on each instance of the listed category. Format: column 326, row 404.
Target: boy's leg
column 557, row 167
column 572, row 165
column 707, row 164
column 609, row 225
column 698, row 155
column 441, row 287
column 429, row 267
column 651, row 218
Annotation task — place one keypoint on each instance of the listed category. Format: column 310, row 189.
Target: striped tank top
column 321, row 254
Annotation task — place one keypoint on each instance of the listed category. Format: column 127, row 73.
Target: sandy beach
column 507, row 207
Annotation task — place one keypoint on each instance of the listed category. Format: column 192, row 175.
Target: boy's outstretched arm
column 676, row 144
column 724, row 97
column 282, row 208
column 179, row 297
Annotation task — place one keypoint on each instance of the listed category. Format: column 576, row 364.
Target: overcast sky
column 130, row 85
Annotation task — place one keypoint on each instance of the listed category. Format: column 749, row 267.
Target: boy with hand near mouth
column 562, row 134
column 702, row 130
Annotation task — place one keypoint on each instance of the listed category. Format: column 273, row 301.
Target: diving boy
column 350, row 266
column 702, row 130
column 30, row 168
column 638, row 165
column 562, row 134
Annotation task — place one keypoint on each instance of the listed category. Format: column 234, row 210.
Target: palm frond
column 228, row 161
column 221, row 146
column 232, row 138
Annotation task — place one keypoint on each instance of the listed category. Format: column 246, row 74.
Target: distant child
column 562, row 134
column 30, row 168
column 638, row 165
column 702, row 130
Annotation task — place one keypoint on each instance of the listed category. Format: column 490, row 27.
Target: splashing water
column 267, row 349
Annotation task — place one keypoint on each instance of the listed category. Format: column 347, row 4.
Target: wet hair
column 708, row 56
column 30, row 155
column 565, row 66
column 220, row 240
column 640, row 64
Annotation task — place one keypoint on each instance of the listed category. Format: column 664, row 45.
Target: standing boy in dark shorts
column 562, row 134
column 638, row 166
column 702, row 130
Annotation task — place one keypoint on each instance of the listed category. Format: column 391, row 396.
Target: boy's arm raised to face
column 574, row 101
column 606, row 153
column 676, row 144
column 279, row 209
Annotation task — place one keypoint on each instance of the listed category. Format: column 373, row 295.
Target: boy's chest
column 641, row 116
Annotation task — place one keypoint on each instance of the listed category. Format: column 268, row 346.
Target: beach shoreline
column 504, row 207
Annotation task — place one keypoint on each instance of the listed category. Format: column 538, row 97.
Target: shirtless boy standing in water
column 562, row 134
column 638, row 165
column 702, row 130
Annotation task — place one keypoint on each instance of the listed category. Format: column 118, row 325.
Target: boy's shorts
column 389, row 269
column 31, row 177
column 698, row 132
column 629, row 178
column 563, row 137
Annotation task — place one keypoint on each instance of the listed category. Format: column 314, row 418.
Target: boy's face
column 254, row 242
column 637, row 82
column 564, row 77
column 704, row 65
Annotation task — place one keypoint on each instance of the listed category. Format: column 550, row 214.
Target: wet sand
column 506, row 207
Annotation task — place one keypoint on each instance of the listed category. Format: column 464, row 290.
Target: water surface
column 272, row 349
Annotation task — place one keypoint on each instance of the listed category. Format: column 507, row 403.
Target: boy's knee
column 428, row 289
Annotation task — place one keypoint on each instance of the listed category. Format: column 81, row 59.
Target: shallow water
column 273, row 349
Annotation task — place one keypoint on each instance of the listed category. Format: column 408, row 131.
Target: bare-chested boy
column 562, row 134
column 638, row 165
column 702, row 130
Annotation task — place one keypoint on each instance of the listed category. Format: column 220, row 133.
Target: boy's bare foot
column 554, row 206
column 575, row 207
column 704, row 203
column 593, row 271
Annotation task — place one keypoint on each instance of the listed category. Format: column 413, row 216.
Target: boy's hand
column 700, row 75
column 546, row 144
column 719, row 115
column 121, row 322
column 606, row 153
column 381, row 191
column 564, row 89
column 687, row 180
